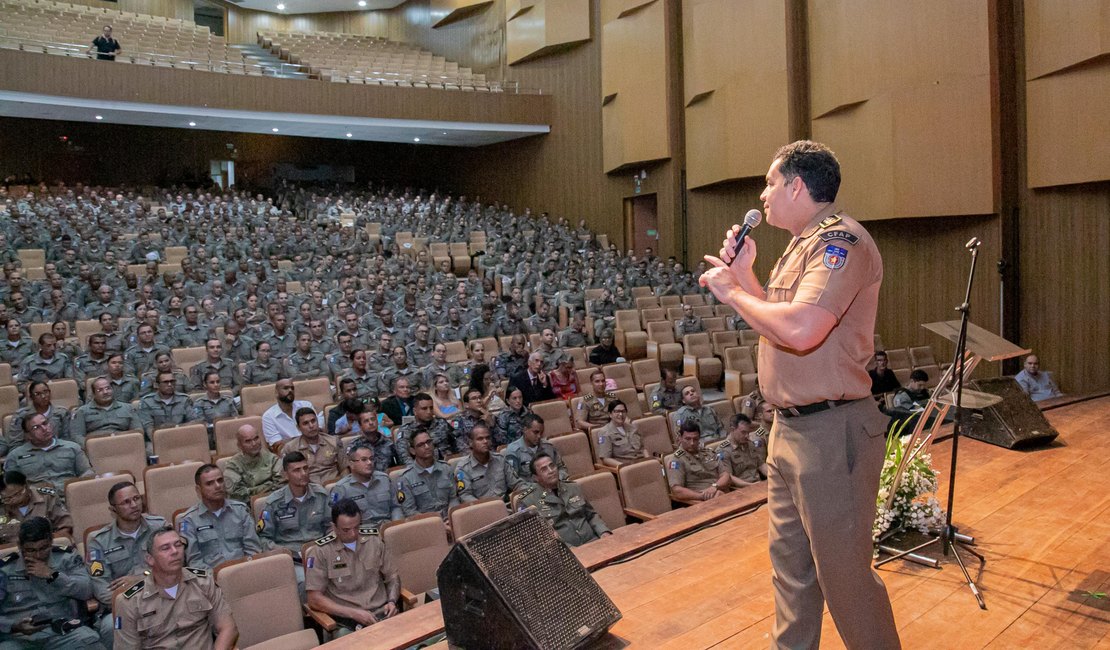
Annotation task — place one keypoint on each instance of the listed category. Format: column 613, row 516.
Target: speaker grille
column 547, row 586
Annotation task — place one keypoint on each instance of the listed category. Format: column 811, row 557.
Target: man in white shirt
column 278, row 423
column 1037, row 384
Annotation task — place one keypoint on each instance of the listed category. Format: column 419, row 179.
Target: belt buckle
column 793, row 410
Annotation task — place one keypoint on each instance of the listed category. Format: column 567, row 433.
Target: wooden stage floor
column 1041, row 518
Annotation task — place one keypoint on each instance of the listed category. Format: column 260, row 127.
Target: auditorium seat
column 600, row 490
column 188, row 442
column 186, row 358
column 170, row 488
column 632, row 401
column 661, row 345
column 644, row 489
column 456, row 352
column 226, row 432
column 466, row 518
column 698, row 360
column 922, row 355
column 117, row 452
column 629, row 335
column 556, row 417
column 645, row 371
column 418, row 544
column 261, row 592
column 740, row 375
column 317, row 391
column 254, row 400
column 655, row 435
column 670, row 301
column 899, row 359
column 6, row 378
column 87, row 500
column 9, row 400
column 641, row 292
column 576, row 452
column 620, row 373
column 724, row 340
column 63, row 392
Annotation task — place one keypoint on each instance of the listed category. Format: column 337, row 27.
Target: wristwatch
column 52, row 578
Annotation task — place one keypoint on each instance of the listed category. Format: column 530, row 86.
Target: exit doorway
column 641, row 224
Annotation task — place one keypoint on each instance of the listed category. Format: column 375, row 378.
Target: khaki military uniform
column 494, row 479
column 694, row 472
column 290, row 522
column 25, row 596
column 594, row 409
column 568, row 511
column 325, row 463
column 112, row 554
column 742, row 461
column 429, row 489
column 824, row 466
column 147, row 618
column 91, row 419
column 246, row 476
column 618, row 444
column 365, row 578
column 44, row 503
column 711, row 427
column 519, row 456
column 374, row 499
column 212, row 540
column 52, row 465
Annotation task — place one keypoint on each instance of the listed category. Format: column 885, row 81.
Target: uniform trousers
column 824, row 478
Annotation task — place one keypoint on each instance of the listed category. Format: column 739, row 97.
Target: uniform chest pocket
column 785, row 282
column 207, row 534
column 420, row 489
column 288, row 520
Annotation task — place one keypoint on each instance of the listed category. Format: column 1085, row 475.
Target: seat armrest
column 324, row 620
column 638, row 514
column 408, row 599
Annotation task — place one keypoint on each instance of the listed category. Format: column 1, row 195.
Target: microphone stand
column 950, row 538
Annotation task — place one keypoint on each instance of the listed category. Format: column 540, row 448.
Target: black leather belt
column 810, row 409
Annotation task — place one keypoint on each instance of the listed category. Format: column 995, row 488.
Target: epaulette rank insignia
column 367, row 530
column 679, row 453
column 829, row 221
column 200, row 573
column 135, row 588
column 47, row 491
column 325, row 539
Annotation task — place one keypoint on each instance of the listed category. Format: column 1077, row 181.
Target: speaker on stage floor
column 1014, row 423
column 515, row 584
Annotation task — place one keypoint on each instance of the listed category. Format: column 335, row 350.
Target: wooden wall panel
column 544, row 25
column 243, row 25
column 445, row 12
column 182, row 9
column 634, row 84
column 921, row 64
column 736, row 103
column 1059, row 35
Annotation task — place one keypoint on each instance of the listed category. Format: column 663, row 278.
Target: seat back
column 170, row 487
column 641, row 291
column 118, row 452
column 256, row 399
column 670, row 301
column 621, row 373
column 647, row 302
column 186, row 358
column 456, row 351
column 6, row 378
column 466, row 518
column 556, row 417
column 646, row 371
column 695, row 299
column 922, row 355
column 584, row 377
column 697, row 345
column 898, row 359
column 226, row 430
column 580, row 358
column 87, row 500
column 418, row 545
column 631, row 401
column 188, row 442
column 724, row 340
column 713, row 324
column 652, row 314
column 317, row 391
column 628, row 320
column 660, row 332
column 576, row 453
column 723, row 409
column 63, row 392
column 644, row 487
column 739, row 359
column 9, row 400
column 261, row 592
column 655, row 435
column 600, row 490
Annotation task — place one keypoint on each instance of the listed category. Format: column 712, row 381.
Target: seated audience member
column 46, row 364
column 694, row 411
column 386, row 452
column 107, row 48
column 368, row 487
column 694, row 472
column 486, row 381
column 618, row 442
column 278, row 424
column 533, row 381
column 19, row 502
column 531, row 443
column 690, row 323
column 40, row 402
column 326, row 460
column 474, row 413
column 45, row 460
column 593, row 410
column 115, row 551
column 915, row 396
column 215, row 361
column 1037, row 384
column 427, row 485
column 564, row 380
column 304, row 362
column 140, row 358
column 297, row 513
column 43, row 581
column 575, row 336
column 163, row 362
column 483, row 472
column 510, row 421
column 666, row 397
column 17, row 345
column 93, row 363
column 562, row 503
column 398, row 406
column 606, row 351
column 263, row 369
column 883, row 379
column 254, row 470
column 444, row 402
column 216, row 529
column 740, row 453
column 164, row 407
column 444, row 436
column 103, row 415
column 125, row 387
column 147, row 618
column 343, row 418
column 213, row 404
column 360, row 586
column 514, row 359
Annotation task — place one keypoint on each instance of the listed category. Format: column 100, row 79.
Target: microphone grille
column 753, row 218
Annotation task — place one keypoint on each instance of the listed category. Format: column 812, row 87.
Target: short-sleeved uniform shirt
column 359, row 577
column 696, row 472
column 835, row 265
column 148, row 618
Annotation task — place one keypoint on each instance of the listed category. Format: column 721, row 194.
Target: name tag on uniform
column 204, row 527
column 289, row 515
column 150, row 613
column 417, row 484
column 114, row 549
column 357, row 497
column 339, row 565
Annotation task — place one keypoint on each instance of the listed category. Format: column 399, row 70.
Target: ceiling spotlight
column 416, row 139
column 100, row 117
column 192, row 123
column 348, row 135
column 443, row 133
column 274, row 129
column 362, row 3
column 281, row 7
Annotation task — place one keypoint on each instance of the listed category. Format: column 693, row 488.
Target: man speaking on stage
column 816, row 318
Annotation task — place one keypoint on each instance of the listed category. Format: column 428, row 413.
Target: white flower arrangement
column 915, row 504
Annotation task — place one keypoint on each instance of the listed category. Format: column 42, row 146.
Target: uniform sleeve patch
column 839, row 235
column 96, row 569
column 400, row 496
column 835, row 257
column 675, row 464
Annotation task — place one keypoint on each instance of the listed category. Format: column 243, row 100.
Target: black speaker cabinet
column 1015, row 422
column 515, row 584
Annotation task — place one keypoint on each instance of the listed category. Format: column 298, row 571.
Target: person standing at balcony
column 106, row 47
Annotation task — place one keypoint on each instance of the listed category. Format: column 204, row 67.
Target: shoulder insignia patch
column 840, row 235
column 835, row 257
column 200, row 573
column 400, row 496
column 675, row 464
column 9, row 558
column 367, row 530
column 325, row 539
column 528, row 490
column 47, row 490
column 679, row 453
column 96, row 569
column 135, row 588
column 63, row 548
column 830, row 221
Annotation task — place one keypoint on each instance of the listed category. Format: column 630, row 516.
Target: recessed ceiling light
column 416, row 139
column 348, row 135
column 100, row 117
column 443, row 133
column 362, row 3
column 281, row 7
column 274, row 129
column 192, row 123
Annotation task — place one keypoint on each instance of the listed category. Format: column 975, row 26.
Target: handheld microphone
column 751, row 220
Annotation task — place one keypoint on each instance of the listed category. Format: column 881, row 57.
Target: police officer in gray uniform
column 530, row 444
column 366, row 486
column 483, row 472
column 563, row 504
column 44, row 459
column 426, row 486
column 693, row 410
column 103, row 414
column 165, row 407
column 216, row 528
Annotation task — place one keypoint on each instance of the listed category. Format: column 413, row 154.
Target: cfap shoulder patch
column 839, row 235
column 835, row 257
